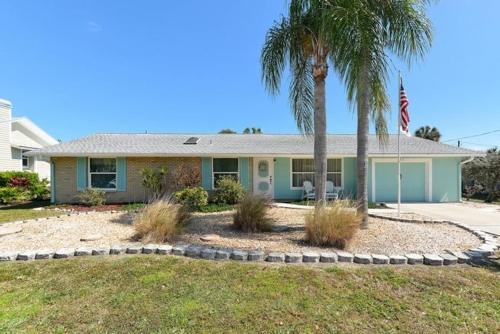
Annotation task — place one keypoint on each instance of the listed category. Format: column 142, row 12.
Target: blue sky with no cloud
column 79, row 67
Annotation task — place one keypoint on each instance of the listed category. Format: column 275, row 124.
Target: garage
column 414, row 181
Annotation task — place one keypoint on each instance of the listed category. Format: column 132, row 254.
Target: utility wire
column 472, row 136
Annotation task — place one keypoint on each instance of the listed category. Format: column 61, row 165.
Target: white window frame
column 329, row 158
column 225, row 173
column 89, row 174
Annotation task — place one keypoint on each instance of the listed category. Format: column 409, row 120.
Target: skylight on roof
column 192, row 141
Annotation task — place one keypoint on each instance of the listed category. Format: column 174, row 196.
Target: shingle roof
column 238, row 144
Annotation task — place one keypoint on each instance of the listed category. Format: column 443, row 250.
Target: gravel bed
column 383, row 236
column 66, row 231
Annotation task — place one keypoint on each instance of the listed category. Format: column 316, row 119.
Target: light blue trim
column 446, row 179
column 121, row 174
column 52, row 182
column 243, row 164
column 206, row 173
column 81, row 174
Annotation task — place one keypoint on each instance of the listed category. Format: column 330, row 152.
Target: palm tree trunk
column 363, row 109
column 320, row 71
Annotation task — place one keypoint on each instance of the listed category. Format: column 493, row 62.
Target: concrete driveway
column 485, row 217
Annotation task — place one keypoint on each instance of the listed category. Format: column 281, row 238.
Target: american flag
column 403, row 109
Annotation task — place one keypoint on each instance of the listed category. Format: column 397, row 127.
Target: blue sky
column 79, row 67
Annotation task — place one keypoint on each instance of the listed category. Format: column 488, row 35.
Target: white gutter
column 460, row 173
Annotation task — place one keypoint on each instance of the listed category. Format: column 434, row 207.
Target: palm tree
column 304, row 41
column 365, row 31
column 427, row 132
column 254, row 131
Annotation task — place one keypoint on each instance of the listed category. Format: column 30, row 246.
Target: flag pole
column 400, row 81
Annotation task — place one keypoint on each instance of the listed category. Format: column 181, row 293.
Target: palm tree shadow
column 125, row 218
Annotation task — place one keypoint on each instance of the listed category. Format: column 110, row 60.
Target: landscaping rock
column 397, row 259
column 100, row 251
column 134, row 250
column 179, row 250
column 362, row 259
column 164, row 249
column 256, row 256
column 222, row 254
column 461, row 257
column 44, row 254
column 275, row 257
column 433, row 260
column 64, row 253
column 91, row 237
column 380, row 259
column 293, row 257
column 310, row 257
column 192, row 251
column 344, row 257
column 10, row 230
column 449, row 259
column 239, row 255
column 149, row 249
column 25, row 256
column 116, row 250
column 8, row 257
column 83, row 251
column 279, row 228
column 415, row 259
column 208, row 253
column 209, row 237
column 328, row 257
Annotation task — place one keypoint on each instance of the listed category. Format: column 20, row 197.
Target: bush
column 192, row 198
column 229, row 191
column 13, row 194
column 251, row 214
column 159, row 221
column 92, row 197
column 332, row 225
column 186, row 175
column 30, row 185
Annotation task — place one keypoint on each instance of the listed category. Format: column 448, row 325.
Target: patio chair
column 308, row 191
column 331, row 192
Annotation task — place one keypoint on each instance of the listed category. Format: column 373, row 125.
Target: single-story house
column 18, row 136
column 272, row 165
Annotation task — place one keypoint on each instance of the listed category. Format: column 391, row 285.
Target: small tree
column 155, row 180
column 426, row 132
column 227, row 131
column 486, row 172
column 185, row 175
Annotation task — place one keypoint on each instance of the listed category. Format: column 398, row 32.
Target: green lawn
column 176, row 295
column 25, row 211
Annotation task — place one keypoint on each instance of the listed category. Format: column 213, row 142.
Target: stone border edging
column 488, row 247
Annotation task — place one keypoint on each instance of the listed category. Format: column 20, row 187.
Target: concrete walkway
column 482, row 216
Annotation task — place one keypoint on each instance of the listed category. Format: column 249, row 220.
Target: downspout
column 460, row 176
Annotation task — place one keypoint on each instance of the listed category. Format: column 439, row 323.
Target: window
column 102, row 173
column 303, row 170
column 225, row 167
column 26, row 160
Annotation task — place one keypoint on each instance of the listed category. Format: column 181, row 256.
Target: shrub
column 229, row 191
column 30, row 184
column 159, row 221
column 192, row 198
column 332, row 225
column 186, row 175
column 155, row 180
column 92, row 197
column 13, row 194
column 251, row 214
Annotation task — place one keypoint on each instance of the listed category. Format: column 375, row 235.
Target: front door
column 263, row 177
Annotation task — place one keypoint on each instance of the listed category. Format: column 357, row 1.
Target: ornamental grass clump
column 333, row 225
column 251, row 214
column 160, row 221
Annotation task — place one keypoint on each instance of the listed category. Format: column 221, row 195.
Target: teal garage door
column 412, row 182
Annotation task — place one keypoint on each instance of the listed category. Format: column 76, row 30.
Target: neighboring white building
column 18, row 136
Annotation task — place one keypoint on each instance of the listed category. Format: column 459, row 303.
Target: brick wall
column 65, row 175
